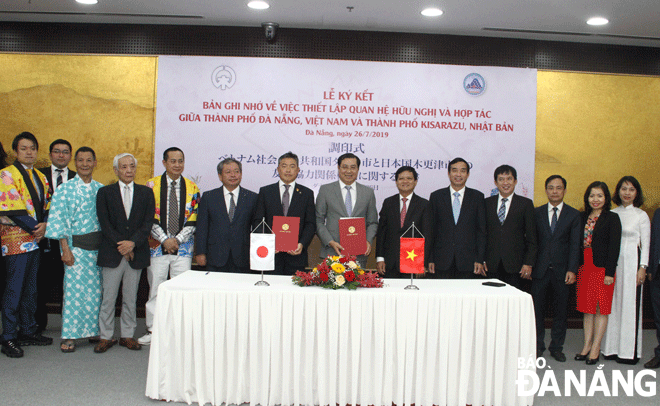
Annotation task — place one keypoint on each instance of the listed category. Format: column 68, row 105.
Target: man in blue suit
column 222, row 239
column 559, row 231
column 291, row 199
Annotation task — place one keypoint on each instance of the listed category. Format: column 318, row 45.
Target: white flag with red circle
column 262, row 252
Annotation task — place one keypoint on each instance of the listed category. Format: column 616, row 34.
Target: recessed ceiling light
column 258, row 5
column 431, row 12
column 87, row 1
column 597, row 21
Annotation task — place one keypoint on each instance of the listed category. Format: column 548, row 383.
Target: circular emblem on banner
column 474, row 84
column 223, row 77
column 351, row 229
column 262, row 252
column 285, row 226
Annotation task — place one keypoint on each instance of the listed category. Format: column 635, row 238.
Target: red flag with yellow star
column 412, row 255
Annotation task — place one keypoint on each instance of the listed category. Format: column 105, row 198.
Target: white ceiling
column 632, row 22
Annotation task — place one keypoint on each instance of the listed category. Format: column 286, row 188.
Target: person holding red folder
column 290, row 199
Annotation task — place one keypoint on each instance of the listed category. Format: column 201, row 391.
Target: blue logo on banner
column 223, row 77
column 474, row 84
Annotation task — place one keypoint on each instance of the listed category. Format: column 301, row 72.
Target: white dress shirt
column 460, row 197
column 292, row 187
column 550, row 211
column 122, row 187
column 236, row 192
column 55, row 174
column 353, row 191
column 507, row 205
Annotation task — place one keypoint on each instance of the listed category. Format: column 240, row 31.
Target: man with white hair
column 126, row 212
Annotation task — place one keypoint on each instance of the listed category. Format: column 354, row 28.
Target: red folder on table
column 353, row 235
column 286, row 233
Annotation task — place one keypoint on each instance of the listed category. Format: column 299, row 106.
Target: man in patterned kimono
column 72, row 220
column 171, row 241
column 24, row 201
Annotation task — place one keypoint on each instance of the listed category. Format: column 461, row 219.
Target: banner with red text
column 388, row 114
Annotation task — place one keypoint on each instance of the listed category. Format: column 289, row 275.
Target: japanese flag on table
column 262, row 252
column 412, row 255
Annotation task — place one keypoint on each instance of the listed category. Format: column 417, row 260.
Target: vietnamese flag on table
column 412, row 255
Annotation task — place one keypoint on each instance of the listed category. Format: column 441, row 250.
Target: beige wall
column 589, row 126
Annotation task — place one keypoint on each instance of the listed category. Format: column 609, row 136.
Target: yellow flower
column 339, row 280
column 315, row 269
column 361, row 272
column 338, row 268
column 335, row 258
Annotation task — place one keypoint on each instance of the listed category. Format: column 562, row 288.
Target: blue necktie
column 456, row 207
column 553, row 223
column 349, row 201
column 501, row 213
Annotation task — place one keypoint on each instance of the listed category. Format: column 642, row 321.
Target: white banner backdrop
column 388, row 114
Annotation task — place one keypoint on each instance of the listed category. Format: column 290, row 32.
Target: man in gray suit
column 345, row 198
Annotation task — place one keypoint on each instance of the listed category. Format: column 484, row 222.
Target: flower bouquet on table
column 338, row 272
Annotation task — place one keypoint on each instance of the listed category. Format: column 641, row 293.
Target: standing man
column 171, row 243
column 126, row 214
column 345, row 198
column 288, row 198
column 51, row 269
column 25, row 201
column 223, row 222
column 459, row 231
column 73, row 222
column 654, row 278
column 558, row 227
column 396, row 216
column 511, row 230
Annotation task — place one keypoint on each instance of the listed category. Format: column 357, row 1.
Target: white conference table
column 217, row 339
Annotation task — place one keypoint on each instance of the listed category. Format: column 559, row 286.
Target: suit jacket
column 216, row 236
column 463, row 242
column 269, row 204
column 514, row 241
column 605, row 242
column 330, row 208
column 49, row 244
column 560, row 249
column 388, row 244
column 49, row 175
column 655, row 246
column 116, row 227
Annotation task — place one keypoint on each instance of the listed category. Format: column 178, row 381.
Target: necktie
column 349, row 201
column 553, row 223
column 456, row 207
column 501, row 213
column 173, row 212
column 127, row 201
column 285, row 199
column 58, row 182
column 232, row 206
column 403, row 210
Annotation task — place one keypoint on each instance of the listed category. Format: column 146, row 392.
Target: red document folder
column 286, row 233
column 353, row 235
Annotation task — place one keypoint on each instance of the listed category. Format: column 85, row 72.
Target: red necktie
column 403, row 210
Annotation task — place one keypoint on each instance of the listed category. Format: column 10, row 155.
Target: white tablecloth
column 218, row 338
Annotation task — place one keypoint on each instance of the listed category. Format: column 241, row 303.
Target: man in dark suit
column 396, row 217
column 511, row 230
column 558, row 227
column 126, row 214
column 654, row 279
column 222, row 239
column 459, row 231
column 345, row 198
column 51, row 269
column 291, row 199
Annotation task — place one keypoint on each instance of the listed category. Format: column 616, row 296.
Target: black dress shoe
column 653, row 363
column 627, row 361
column 610, row 357
column 11, row 349
column 580, row 357
column 34, row 339
column 558, row 355
column 592, row 361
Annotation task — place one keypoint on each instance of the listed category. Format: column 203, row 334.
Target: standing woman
column 623, row 338
column 595, row 279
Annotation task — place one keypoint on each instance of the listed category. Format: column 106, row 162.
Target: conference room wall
column 56, row 82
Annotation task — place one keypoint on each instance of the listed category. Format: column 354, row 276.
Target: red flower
column 349, row 276
column 323, row 276
column 323, row 267
column 343, row 260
